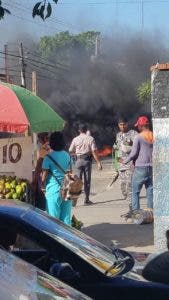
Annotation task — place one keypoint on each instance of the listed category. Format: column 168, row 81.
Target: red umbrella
column 20, row 109
column 12, row 115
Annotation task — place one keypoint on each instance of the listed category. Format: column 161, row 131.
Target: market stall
column 21, row 113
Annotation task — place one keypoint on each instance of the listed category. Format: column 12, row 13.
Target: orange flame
column 107, row 150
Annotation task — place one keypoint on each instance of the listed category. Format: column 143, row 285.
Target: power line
column 2, row 57
column 26, row 8
column 40, row 77
column 34, row 53
column 33, row 60
column 60, row 3
column 33, row 21
column 14, row 70
column 112, row 2
column 59, row 66
column 40, row 68
column 30, row 73
column 17, row 5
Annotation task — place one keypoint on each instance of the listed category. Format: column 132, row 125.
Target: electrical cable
column 59, row 29
column 42, row 58
column 40, row 69
column 33, row 60
column 51, row 19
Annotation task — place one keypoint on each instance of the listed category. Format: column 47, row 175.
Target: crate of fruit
column 12, row 187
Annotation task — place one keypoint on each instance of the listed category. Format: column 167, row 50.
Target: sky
column 105, row 16
column 109, row 17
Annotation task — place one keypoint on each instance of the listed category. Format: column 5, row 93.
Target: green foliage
column 144, row 92
column 65, row 47
column 43, row 9
column 3, row 11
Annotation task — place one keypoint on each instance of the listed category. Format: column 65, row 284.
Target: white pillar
column 160, row 114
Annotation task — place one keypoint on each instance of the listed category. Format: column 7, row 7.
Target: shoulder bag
column 71, row 187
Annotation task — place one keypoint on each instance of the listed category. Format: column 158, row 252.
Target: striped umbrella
column 20, row 109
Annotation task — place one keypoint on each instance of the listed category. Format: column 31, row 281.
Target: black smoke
column 97, row 90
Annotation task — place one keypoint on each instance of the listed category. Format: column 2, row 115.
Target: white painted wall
column 16, row 157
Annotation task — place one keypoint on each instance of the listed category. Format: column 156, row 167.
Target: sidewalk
column 102, row 220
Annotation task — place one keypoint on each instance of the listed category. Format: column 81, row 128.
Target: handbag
column 71, row 187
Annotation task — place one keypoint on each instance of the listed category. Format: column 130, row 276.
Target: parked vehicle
column 22, row 281
column 72, row 256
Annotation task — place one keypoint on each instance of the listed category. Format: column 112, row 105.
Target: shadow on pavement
column 100, row 202
column 112, row 200
column 126, row 235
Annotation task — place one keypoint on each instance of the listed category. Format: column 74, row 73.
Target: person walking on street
column 84, row 148
column 141, row 154
column 52, row 178
column 124, row 142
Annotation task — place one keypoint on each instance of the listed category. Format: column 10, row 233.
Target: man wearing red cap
column 141, row 155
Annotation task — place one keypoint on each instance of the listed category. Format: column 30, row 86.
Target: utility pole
column 23, row 65
column 6, row 62
column 34, row 82
column 97, row 46
column 34, row 135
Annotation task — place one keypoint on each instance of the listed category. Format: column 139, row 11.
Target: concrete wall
column 160, row 114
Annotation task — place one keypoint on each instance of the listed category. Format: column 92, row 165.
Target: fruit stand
column 12, row 187
column 16, row 167
column 22, row 114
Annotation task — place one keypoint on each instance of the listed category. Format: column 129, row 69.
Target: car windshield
column 35, row 283
column 92, row 251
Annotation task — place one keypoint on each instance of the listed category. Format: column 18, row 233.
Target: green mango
column 7, row 185
column 8, row 196
column 19, row 189
column 1, row 187
column 13, row 184
column 14, row 196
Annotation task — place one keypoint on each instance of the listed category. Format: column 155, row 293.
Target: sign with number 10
column 13, row 153
column 16, row 156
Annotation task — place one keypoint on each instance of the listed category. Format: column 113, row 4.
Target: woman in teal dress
column 55, row 205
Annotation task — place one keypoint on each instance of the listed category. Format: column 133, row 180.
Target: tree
column 43, row 9
column 144, row 92
column 68, row 48
column 93, row 91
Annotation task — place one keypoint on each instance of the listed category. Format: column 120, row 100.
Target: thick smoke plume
column 99, row 90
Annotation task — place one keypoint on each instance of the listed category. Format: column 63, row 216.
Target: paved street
column 102, row 220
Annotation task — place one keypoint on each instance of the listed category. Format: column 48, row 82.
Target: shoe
column 88, row 202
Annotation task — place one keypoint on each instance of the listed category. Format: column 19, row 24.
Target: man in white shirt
column 84, row 148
